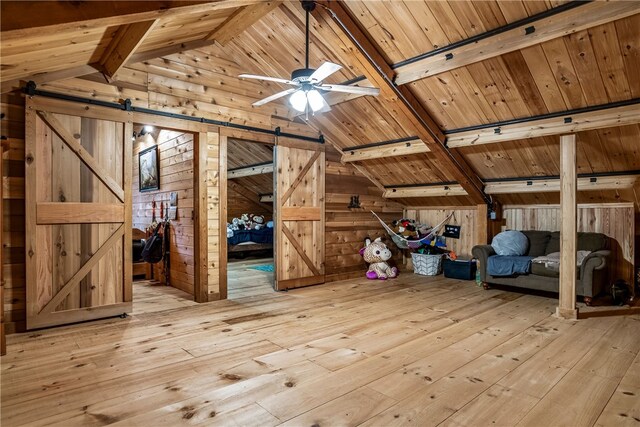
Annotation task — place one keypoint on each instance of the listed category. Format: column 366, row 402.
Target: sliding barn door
column 299, row 224
column 78, row 212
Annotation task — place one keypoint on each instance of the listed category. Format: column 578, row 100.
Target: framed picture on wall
column 149, row 169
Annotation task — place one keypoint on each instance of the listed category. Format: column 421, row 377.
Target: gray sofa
column 591, row 275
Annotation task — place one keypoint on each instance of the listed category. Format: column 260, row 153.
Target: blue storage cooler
column 460, row 269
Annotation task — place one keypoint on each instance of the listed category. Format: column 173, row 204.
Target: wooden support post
column 482, row 225
column 568, row 228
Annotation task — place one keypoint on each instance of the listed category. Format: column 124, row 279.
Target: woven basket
column 427, row 265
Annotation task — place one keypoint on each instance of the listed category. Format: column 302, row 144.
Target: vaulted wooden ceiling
column 188, row 60
column 242, row 154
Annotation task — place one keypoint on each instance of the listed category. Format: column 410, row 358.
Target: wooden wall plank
column 175, row 154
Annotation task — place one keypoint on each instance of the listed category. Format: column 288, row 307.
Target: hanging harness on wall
column 154, row 249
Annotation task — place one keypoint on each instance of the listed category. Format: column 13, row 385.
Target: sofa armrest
column 593, row 262
column 482, row 254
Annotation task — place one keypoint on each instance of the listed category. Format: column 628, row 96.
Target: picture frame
column 149, row 169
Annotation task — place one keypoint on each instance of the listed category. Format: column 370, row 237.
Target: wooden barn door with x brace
column 299, row 217
column 78, row 212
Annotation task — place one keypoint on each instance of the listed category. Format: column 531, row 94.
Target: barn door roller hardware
column 31, row 90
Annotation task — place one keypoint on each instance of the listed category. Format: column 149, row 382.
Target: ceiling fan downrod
column 308, row 6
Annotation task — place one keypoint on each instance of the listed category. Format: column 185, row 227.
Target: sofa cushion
column 586, row 242
column 538, row 241
column 592, row 242
column 554, row 243
column 539, row 269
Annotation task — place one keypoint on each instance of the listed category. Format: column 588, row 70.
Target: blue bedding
column 264, row 235
column 508, row 265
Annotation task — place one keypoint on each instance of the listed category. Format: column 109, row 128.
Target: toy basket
column 427, row 265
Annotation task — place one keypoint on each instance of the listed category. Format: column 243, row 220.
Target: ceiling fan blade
column 270, row 79
column 374, row 91
column 324, row 71
column 274, row 97
column 325, row 107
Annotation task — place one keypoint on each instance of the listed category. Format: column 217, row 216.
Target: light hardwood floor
column 243, row 281
column 150, row 296
column 411, row 351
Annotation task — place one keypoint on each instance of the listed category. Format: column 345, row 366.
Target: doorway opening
column 163, row 211
column 250, row 219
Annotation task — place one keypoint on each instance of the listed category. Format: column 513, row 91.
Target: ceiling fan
column 307, row 82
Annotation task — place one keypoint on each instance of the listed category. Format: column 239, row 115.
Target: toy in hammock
column 403, row 242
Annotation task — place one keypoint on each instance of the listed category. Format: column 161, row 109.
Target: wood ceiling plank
column 248, row 194
column 629, row 40
column 610, row 61
column 544, row 78
column 564, row 72
column 586, row 66
column 240, row 20
column 549, row 28
column 401, row 101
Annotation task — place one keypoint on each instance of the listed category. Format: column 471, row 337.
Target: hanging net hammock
column 405, row 243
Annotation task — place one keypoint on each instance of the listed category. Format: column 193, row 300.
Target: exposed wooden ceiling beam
column 400, row 102
column 240, row 20
column 570, row 21
column 249, row 194
column 230, row 28
column 133, row 24
column 40, row 78
column 393, row 149
column 553, row 185
column 127, row 39
column 424, row 191
column 571, row 123
column 259, row 169
column 20, row 18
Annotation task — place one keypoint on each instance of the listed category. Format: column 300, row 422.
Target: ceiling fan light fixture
column 298, row 100
column 316, row 102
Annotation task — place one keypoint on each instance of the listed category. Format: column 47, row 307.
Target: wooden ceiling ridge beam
column 554, row 23
column 400, row 102
column 251, row 170
column 393, row 148
column 590, row 118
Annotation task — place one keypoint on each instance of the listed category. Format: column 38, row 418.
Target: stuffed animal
column 405, row 227
column 245, row 221
column 377, row 254
column 229, row 230
column 235, row 224
column 258, row 222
